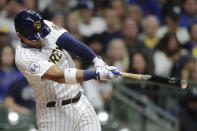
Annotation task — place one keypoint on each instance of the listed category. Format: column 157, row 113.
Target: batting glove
column 107, row 73
column 98, row 62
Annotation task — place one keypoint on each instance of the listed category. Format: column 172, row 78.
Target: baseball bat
column 166, row 81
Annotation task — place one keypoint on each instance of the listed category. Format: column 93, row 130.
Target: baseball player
column 42, row 56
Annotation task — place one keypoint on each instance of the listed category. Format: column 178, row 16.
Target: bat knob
column 183, row 84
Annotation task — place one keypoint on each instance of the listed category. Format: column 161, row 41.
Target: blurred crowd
column 157, row 37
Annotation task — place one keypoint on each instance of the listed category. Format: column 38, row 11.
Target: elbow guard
column 70, row 76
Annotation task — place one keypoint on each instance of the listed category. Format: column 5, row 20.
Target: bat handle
column 135, row 76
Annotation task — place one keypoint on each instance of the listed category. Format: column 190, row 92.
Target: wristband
column 89, row 74
column 70, row 76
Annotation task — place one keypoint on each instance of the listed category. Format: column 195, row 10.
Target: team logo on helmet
column 37, row 25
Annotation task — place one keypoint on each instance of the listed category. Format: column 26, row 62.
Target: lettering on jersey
column 54, row 26
column 34, row 68
column 56, row 55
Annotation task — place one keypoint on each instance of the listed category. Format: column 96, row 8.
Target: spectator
column 130, row 31
column 189, row 12
column 101, row 5
column 118, row 54
column 47, row 7
column 185, row 68
column 170, row 3
column 59, row 4
column 8, row 71
column 166, row 4
column 150, row 26
column 172, row 17
column 58, row 18
column 135, row 12
column 192, row 45
column 43, row 4
column 72, row 25
column 113, row 27
column 95, row 42
column 14, row 6
column 9, row 24
column 20, row 97
column 139, row 64
column 119, row 6
column 3, row 12
column 31, row 4
column 131, row 38
column 167, row 51
column 148, row 7
column 4, row 35
column 90, row 25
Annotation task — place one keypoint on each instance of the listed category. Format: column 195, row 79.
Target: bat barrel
column 171, row 82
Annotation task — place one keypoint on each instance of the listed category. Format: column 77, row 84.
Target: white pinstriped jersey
column 33, row 63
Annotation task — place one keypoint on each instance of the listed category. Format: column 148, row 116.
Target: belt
column 64, row 102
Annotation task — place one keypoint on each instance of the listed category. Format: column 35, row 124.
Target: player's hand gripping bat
column 170, row 82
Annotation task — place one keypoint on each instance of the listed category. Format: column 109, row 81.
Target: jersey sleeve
column 30, row 62
column 55, row 33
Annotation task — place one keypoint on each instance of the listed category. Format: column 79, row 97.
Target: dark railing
column 138, row 114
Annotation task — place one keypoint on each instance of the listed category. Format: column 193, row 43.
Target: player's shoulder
column 24, row 53
column 55, row 33
column 54, row 27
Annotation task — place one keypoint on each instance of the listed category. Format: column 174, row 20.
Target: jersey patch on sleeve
column 54, row 26
column 34, row 68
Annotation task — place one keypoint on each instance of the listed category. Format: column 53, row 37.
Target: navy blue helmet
column 31, row 25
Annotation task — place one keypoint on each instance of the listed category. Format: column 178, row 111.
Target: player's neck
column 30, row 46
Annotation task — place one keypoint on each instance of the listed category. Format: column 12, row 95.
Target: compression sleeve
column 67, row 42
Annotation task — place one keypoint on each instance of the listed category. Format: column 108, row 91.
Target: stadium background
column 138, row 36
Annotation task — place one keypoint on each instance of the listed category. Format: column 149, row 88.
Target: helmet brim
column 39, row 35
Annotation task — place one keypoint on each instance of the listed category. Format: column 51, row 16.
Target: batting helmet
column 31, row 25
